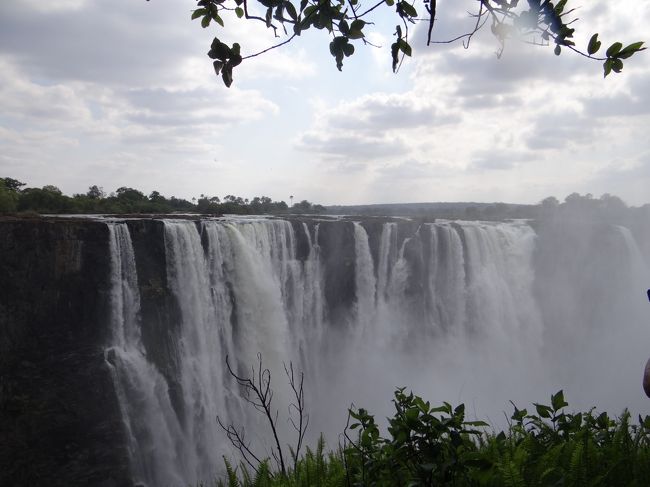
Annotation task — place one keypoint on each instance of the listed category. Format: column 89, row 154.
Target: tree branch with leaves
column 538, row 22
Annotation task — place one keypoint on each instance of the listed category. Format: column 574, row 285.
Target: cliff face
column 58, row 409
column 61, row 423
column 60, row 420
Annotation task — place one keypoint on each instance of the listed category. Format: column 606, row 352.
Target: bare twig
column 253, row 17
column 238, row 440
column 298, row 407
column 379, row 4
column 258, row 393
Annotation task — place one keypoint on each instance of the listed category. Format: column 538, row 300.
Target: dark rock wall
column 159, row 309
column 58, row 410
column 336, row 240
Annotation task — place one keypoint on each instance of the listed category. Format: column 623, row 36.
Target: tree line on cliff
column 50, row 199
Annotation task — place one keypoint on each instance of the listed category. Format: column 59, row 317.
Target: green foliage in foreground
column 427, row 445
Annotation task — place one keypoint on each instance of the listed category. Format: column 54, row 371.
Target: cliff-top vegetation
column 49, row 199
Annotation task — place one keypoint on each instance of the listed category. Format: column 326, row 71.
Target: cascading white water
column 447, row 296
column 154, row 434
column 387, row 242
column 251, row 264
column 365, row 283
column 455, row 310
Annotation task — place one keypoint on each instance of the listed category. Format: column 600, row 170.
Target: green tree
column 95, row 192
column 129, row 194
column 50, row 188
column 12, row 184
column 540, row 22
column 8, row 198
column 48, row 199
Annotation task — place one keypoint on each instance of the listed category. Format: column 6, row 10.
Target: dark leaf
column 357, row 24
column 614, row 49
column 408, row 9
column 594, row 45
column 235, row 60
column 631, row 49
column 198, row 13
column 607, row 66
column 543, row 411
column 269, row 15
column 405, row 47
column 557, row 400
column 219, row 50
column 226, row 75
column 394, row 50
column 291, row 10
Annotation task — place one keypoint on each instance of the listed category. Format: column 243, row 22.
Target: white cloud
column 54, row 5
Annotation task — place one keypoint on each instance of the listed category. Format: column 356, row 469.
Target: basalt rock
column 58, row 409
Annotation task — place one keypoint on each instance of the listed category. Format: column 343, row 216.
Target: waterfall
column 446, row 281
column 364, row 278
column 152, row 428
column 388, row 238
column 499, row 276
column 457, row 310
column 199, row 349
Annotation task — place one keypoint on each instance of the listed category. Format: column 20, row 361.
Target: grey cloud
column 391, row 114
column 347, row 167
column 482, row 101
column 364, row 128
column 499, row 159
column 194, row 107
column 381, row 115
column 630, row 179
column 412, row 169
column 113, row 42
column 486, row 75
column 350, row 146
column 557, row 130
column 634, row 102
column 617, row 172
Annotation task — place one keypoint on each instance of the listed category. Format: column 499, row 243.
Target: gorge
column 114, row 332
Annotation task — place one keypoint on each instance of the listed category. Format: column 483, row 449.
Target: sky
column 121, row 93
